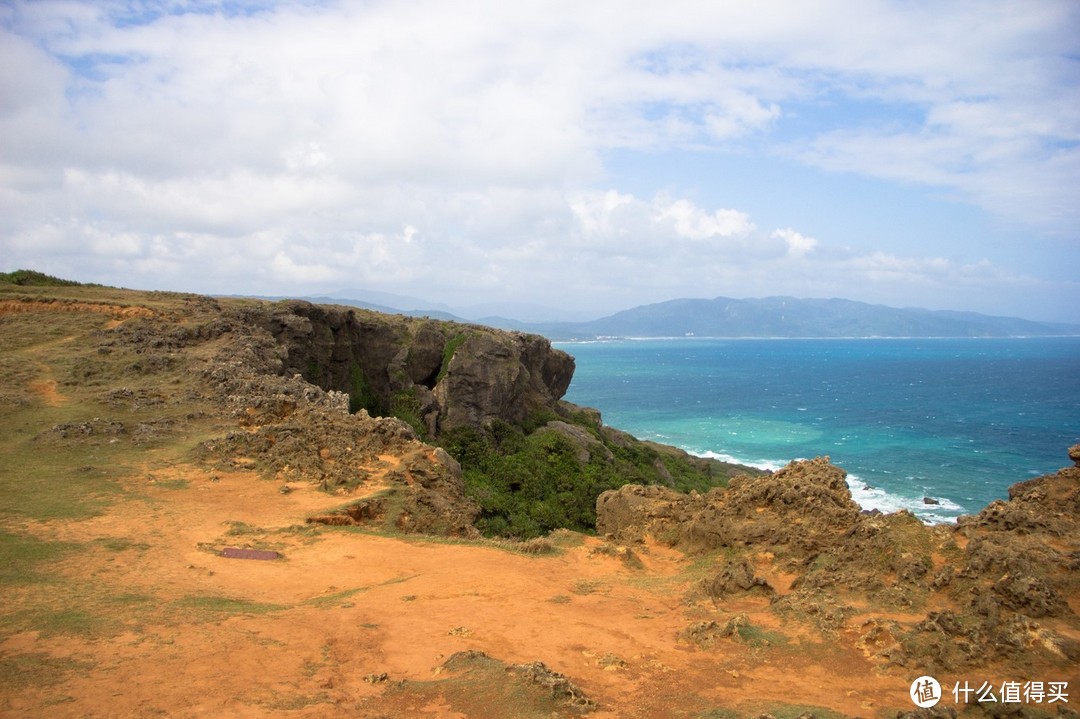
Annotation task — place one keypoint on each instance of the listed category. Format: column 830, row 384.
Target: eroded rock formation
column 993, row 587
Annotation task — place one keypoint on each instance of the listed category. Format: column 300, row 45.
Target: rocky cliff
column 446, row 374
column 313, row 385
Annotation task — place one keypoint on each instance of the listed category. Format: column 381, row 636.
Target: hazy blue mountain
column 724, row 317
column 791, row 317
column 402, row 304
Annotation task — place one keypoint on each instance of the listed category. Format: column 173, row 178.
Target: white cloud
column 467, row 147
column 694, row 223
column 797, row 244
column 288, row 270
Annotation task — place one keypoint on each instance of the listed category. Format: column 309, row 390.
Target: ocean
column 954, row 420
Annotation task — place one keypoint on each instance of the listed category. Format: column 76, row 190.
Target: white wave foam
column 767, row 464
column 869, row 497
column 866, row 496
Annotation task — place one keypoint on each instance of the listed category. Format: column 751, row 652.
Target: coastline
column 953, row 420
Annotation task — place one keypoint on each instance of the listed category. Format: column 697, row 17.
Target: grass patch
column 211, row 605
column 58, row 483
column 586, row 586
column 120, row 544
column 779, row 711
column 449, row 349
column 74, row 622
column 532, row 479
column 242, row 529
column 294, row 702
column 25, row 671
column 82, row 610
column 172, row 483
column 21, row 558
column 331, row 600
column 758, row 637
column 405, row 405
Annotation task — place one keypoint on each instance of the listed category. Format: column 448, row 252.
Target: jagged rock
column 806, row 505
column 706, row 633
column 534, row 676
column 1029, row 595
column 1045, row 505
column 506, row 376
column 734, row 576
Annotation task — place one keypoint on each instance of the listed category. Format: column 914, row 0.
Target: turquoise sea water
column 958, row 420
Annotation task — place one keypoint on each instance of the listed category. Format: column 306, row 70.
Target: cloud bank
column 463, row 151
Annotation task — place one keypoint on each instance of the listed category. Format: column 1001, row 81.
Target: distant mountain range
column 726, row 317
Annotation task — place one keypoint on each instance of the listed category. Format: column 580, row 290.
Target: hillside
column 238, row 508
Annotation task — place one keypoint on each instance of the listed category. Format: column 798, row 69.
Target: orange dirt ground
column 352, row 605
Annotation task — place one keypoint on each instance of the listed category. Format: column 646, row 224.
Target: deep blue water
column 958, row 420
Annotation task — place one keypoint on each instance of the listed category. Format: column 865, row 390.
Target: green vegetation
column 336, row 599
column 32, row 278
column 361, row 394
column 448, row 354
column 208, row 606
column 779, row 711
column 405, row 405
column 533, row 479
column 758, row 637
column 20, row 671
column 21, row 557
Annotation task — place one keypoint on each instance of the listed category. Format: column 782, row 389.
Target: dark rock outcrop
column 452, row 374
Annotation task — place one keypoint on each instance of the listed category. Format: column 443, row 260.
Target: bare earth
column 352, row 605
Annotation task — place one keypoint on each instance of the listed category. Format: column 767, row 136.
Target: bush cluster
column 529, row 483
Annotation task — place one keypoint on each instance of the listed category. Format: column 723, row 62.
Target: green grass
column 73, row 622
column 58, row 482
column 529, row 480
column 35, row 279
column 172, row 484
column 120, row 544
column 210, row 606
column 449, row 349
column 35, row 669
column 242, row 529
column 758, row 637
column 326, row 601
column 779, row 711
column 60, row 606
column 22, row 558
column 294, row 702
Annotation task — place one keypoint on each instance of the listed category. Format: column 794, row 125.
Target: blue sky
column 586, row 157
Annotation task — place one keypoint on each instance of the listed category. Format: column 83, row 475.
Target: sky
column 585, row 157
